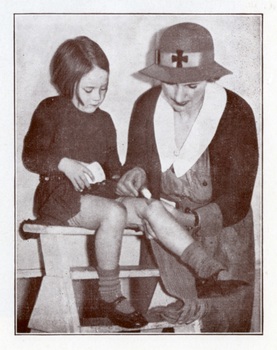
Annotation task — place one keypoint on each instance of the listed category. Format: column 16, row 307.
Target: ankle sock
column 204, row 265
column 110, row 289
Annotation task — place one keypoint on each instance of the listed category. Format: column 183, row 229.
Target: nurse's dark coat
column 226, row 220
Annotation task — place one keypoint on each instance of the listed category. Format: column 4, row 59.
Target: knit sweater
column 233, row 154
column 57, row 130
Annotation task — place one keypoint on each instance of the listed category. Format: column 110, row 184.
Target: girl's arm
column 39, row 155
column 42, row 157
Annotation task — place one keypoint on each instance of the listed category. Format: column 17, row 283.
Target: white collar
column 200, row 135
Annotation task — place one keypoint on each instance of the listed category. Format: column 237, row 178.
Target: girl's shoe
column 131, row 320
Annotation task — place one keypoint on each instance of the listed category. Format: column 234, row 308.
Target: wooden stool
column 55, row 309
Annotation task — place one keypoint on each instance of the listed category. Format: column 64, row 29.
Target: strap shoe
column 131, row 320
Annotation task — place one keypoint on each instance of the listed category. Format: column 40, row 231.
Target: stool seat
column 67, row 230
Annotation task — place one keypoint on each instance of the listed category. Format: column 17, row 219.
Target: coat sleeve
column 38, row 154
column 234, row 160
column 112, row 165
column 142, row 151
column 137, row 139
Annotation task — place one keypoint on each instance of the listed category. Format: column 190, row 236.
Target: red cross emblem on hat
column 179, row 58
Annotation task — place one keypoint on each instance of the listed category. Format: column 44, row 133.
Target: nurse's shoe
column 212, row 287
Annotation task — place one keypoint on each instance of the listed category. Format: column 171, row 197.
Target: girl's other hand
column 76, row 172
column 131, row 182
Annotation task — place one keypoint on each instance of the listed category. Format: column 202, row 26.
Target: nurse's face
column 91, row 90
column 184, row 97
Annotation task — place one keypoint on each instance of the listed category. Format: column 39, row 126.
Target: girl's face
column 183, row 97
column 91, row 90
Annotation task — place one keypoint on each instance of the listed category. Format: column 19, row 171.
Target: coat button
column 205, row 183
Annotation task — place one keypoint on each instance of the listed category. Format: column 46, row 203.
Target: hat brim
column 171, row 75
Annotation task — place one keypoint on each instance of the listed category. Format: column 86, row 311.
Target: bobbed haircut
column 72, row 60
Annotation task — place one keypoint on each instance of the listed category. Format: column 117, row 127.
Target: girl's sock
column 204, row 265
column 110, row 289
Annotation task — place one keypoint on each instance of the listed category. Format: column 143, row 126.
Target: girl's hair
column 73, row 59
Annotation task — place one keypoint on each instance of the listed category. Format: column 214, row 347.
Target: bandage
column 146, row 193
column 97, row 172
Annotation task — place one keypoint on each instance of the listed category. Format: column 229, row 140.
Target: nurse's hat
column 185, row 54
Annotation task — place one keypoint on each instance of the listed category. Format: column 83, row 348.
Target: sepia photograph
column 138, row 173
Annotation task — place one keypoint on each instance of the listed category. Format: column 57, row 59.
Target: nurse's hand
column 149, row 232
column 186, row 312
column 131, row 182
column 76, row 172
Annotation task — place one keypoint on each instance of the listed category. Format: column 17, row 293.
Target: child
column 66, row 133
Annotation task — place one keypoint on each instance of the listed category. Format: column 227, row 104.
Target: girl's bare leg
column 172, row 235
column 108, row 218
column 163, row 224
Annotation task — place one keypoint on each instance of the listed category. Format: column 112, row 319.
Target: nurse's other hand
column 131, row 182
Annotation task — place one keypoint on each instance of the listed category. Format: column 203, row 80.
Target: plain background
column 7, row 189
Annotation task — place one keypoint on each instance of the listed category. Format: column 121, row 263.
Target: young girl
column 66, row 133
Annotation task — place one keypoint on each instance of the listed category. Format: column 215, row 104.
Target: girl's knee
column 155, row 208
column 117, row 214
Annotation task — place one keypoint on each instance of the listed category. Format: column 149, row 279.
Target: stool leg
column 55, row 309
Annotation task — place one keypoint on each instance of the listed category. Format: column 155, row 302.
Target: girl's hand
column 131, row 182
column 76, row 172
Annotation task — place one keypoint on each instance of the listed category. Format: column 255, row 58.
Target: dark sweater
column 233, row 153
column 58, row 129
